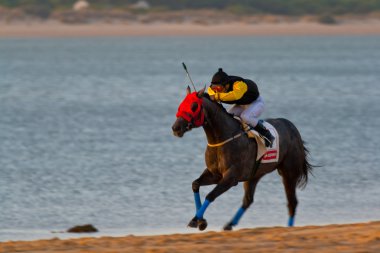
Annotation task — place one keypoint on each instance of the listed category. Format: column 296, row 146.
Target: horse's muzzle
column 180, row 126
column 178, row 132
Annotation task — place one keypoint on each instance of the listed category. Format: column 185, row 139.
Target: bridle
column 194, row 117
column 197, row 118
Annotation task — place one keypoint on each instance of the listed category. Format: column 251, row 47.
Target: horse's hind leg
column 249, row 192
column 290, row 184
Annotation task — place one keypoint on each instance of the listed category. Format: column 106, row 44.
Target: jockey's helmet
column 220, row 78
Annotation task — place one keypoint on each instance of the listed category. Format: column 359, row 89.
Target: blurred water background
column 85, row 131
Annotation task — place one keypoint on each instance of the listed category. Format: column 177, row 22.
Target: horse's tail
column 305, row 169
column 301, row 154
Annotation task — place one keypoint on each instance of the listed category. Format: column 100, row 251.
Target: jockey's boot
column 265, row 133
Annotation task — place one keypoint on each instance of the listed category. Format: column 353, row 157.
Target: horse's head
column 190, row 113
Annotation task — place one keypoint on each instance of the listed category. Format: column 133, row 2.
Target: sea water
column 85, row 131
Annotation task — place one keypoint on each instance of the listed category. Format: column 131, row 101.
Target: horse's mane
column 207, row 96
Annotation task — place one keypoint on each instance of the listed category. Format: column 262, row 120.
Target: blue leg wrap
column 291, row 222
column 202, row 210
column 197, row 199
column 237, row 216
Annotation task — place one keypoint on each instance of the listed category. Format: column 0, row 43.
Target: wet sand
column 55, row 29
column 360, row 237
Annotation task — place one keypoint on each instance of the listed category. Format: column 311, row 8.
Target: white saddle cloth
column 270, row 155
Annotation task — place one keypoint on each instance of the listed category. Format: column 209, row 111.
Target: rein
column 224, row 142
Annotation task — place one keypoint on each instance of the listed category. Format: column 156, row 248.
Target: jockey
column 244, row 94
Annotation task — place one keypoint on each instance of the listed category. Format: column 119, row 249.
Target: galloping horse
column 231, row 156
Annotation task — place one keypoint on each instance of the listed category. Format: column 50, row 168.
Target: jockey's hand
column 212, row 97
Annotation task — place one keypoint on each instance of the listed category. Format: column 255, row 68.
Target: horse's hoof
column 227, row 227
column 193, row 223
column 202, row 224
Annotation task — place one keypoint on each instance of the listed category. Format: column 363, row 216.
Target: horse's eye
column 194, row 106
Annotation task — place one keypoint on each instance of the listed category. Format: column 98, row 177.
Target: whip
column 188, row 75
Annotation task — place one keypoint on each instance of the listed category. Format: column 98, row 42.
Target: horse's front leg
column 229, row 179
column 207, row 178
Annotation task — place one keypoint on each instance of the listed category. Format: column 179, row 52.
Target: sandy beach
column 360, row 237
column 301, row 28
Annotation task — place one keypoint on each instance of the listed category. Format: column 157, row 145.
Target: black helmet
column 220, row 77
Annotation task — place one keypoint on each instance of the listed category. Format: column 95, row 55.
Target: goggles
column 217, row 87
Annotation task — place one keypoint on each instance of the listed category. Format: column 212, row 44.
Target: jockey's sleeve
column 239, row 89
column 210, row 91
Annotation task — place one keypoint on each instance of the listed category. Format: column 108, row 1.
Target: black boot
column 265, row 133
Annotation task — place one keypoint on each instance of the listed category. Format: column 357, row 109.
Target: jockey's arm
column 210, row 91
column 238, row 90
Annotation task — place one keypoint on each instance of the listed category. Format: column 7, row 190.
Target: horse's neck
column 220, row 126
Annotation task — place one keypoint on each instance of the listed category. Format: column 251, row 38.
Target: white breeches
column 249, row 113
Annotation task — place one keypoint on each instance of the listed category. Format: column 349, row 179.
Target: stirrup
column 268, row 142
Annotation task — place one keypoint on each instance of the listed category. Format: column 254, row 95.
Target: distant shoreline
column 359, row 237
column 51, row 29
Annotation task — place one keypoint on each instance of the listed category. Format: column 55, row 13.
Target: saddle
column 268, row 155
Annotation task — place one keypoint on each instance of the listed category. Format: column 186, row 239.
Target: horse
column 231, row 156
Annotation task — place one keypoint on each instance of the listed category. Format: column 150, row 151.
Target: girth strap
column 255, row 168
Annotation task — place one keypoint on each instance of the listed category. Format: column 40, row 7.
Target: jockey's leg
column 236, row 110
column 253, row 111
column 263, row 131
column 251, row 116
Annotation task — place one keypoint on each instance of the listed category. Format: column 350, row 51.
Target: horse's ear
column 188, row 91
column 201, row 92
